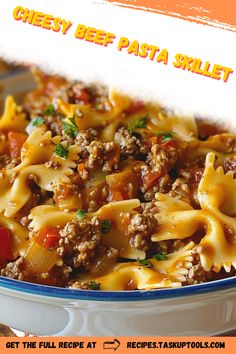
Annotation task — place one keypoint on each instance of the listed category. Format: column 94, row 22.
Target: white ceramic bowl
column 205, row 309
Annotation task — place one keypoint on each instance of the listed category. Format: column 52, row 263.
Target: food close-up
column 99, row 191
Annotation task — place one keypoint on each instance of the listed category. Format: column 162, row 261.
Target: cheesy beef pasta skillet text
column 104, row 193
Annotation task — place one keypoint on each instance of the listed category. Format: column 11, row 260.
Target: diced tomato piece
column 81, row 95
column 135, row 107
column 48, row 237
column 5, row 244
column 170, row 143
column 62, row 192
column 16, row 141
column 150, row 179
column 139, row 209
column 125, row 195
column 84, row 96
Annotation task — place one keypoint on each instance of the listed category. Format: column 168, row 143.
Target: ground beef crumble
column 180, row 190
column 79, row 240
column 162, row 185
column 85, row 137
column 104, row 155
column 7, row 162
column 15, row 270
column 230, row 165
column 140, row 230
column 131, row 144
column 196, row 273
column 54, row 123
column 162, row 159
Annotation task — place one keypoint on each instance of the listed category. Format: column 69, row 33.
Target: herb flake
column 50, row 110
column 70, row 128
column 37, row 121
column 80, row 214
column 145, row 262
column 62, row 151
column 93, row 285
column 138, row 124
column 160, row 256
column 72, row 121
column 106, row 226
column 166, row 136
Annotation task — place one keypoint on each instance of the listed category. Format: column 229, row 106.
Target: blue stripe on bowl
column 135, row 295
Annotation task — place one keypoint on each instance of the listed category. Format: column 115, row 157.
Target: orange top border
column 214, row 13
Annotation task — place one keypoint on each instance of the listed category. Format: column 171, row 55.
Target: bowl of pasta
column 115, row 215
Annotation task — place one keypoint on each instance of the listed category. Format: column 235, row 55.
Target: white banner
column 133, row 51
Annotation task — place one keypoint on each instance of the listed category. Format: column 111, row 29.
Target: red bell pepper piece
column 48, row 237
column 5, row 244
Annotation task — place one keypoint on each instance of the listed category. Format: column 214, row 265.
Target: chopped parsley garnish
column 160, row 256
column 93, row 285
column 33, row 124
column 37, row 121
column 138, row 124
column 80, row 214
column 62, row 151
column 72, row 121
column 145, row 262
column 49, row 110
column 70, row 128
column 166, row 136
column 106, row 226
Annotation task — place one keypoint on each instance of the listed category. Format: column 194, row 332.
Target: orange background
column 229, row 345
column 216, row 12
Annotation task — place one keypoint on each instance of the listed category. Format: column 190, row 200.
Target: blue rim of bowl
column 135, row 295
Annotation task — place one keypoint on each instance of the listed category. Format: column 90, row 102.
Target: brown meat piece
column 162, row 159
column 7, row 162
column 79, row 241
column 85, row 137
column 180, row 190
column 230, row 165
column 197, row 274
column 15, row 270
column 105, row 155
column 140, row 230
column 130, row 144
column 162, row 185
column 54, row 123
